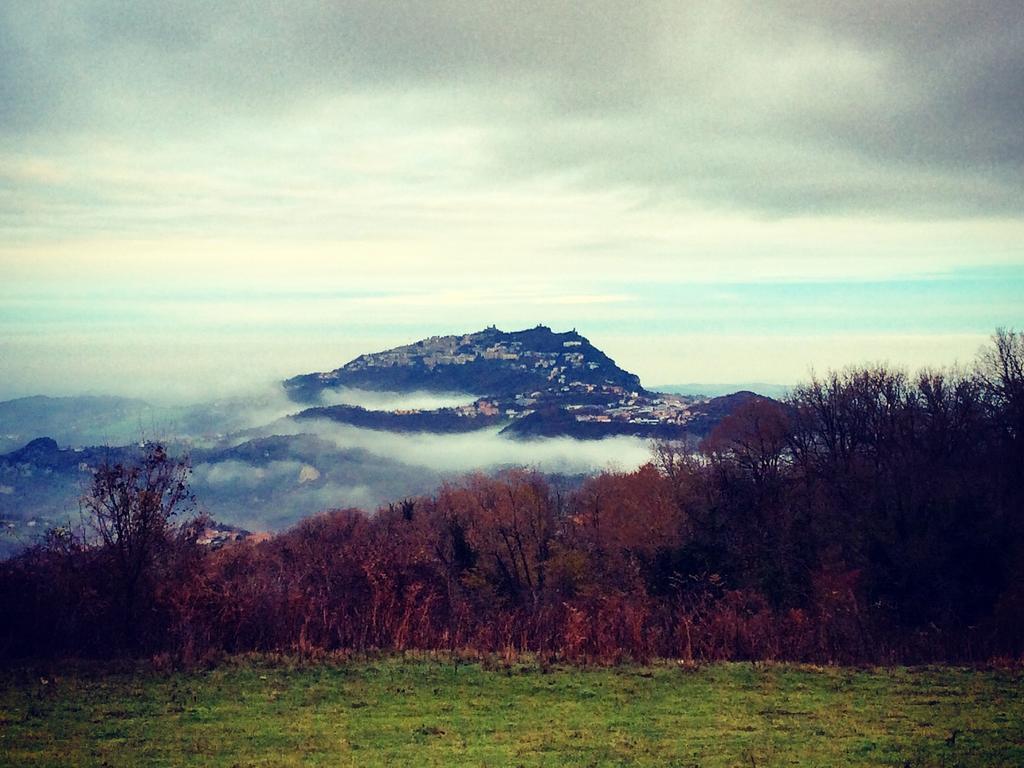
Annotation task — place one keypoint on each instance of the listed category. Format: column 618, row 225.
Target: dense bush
column 870, row 517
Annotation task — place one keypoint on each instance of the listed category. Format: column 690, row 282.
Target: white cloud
column 480, row 450
column 391, row 401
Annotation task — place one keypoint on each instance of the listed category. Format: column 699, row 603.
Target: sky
column 196, row 197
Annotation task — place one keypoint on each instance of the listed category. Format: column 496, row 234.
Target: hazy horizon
column 180, row 371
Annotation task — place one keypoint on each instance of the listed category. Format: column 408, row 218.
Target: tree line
column 871, row 516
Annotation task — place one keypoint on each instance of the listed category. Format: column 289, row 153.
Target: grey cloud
column 790, row 107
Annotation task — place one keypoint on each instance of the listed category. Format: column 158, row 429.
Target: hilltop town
column 536, row 382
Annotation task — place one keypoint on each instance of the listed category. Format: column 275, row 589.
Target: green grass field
column 260, row 712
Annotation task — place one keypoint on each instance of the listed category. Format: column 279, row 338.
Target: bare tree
column 1001, row 367
column 131, row 507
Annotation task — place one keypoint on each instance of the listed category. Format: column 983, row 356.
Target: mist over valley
column 263, row 461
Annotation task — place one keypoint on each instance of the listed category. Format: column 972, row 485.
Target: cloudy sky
column 197, row 195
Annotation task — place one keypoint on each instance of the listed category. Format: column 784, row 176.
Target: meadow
column 280, row 711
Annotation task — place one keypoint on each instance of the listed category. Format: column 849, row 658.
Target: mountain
column 491, row 362
column 535, row 383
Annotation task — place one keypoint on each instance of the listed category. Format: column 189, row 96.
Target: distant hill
column 87, row 420
column 775, row 391
column 72, row 420
column 438, row 421
column 702, row 417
